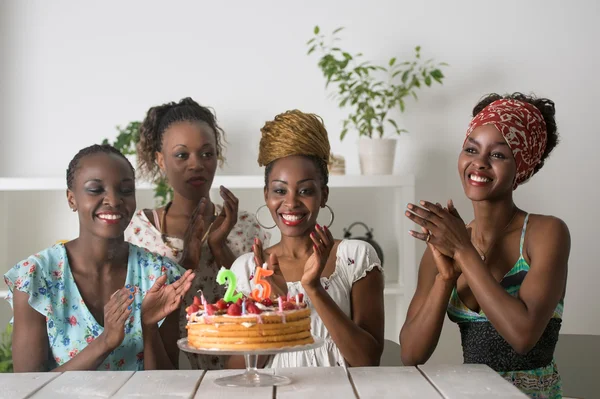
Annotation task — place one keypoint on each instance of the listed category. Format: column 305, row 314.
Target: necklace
column 483, row 254
column 163, row 230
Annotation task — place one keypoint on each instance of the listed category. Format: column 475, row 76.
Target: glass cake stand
column 251, row 377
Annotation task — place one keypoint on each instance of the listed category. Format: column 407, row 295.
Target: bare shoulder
column 547, row 226
column 547, row 236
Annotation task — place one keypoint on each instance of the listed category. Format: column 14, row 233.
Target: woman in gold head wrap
column 340, row 280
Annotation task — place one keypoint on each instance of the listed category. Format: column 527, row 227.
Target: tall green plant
column 6, row 362
column 126, row 142
column 361, row 88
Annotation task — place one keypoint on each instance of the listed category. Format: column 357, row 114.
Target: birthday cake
column 247, row 324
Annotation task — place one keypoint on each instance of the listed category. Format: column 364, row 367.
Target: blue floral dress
column 46, row 277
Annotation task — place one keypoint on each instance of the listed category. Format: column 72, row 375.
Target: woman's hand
column 192, row 241
column 277, row 281
column 161, row 300
column 223, row 224
column 448, row 269
column 116, row 312
column 446, row 231
column 313, row 268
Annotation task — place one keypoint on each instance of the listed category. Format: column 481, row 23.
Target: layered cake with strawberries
column 249, row 325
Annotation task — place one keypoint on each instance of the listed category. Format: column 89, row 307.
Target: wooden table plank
column 470, row 381
column 84, row 384
column 21, row 385
column 161, row 383
column 208, row 388
column 391, row 382
column 314, row 382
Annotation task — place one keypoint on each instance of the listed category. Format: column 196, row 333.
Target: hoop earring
column 331, row 217
column 258, row 221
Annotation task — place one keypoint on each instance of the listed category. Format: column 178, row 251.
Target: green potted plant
column 126, row 142
column 6, row 362
column 372, row 92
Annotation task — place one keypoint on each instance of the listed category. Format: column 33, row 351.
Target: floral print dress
column 142, row 232
column 46, row 277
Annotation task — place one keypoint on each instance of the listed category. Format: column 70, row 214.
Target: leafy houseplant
column 371, row 98
column 126, row 142
column 371, row 91
column 6, row 363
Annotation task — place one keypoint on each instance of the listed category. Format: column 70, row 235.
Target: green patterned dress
column 534, row 373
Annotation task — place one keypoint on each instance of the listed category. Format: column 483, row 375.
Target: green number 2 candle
column 228, row 277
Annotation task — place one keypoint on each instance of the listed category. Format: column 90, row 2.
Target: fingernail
column 422, row 202
column 130, row 296
column 318, row 226
column 128, row 285
column 132, row 289
column 253, row 247
column 129, row 307
column 410, row 206
column 324, row 227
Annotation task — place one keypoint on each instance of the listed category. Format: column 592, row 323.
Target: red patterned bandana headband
column 523, row 128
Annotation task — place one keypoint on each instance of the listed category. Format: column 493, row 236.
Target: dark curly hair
column 93, row 149
column 545, row 106
column 157, row 121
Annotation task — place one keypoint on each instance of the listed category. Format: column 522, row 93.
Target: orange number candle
column 259, row 281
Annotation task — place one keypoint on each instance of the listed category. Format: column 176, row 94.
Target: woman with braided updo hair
column 341, row 281
column 183, row 142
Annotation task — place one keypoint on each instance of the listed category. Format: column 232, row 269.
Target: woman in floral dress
column 183, row 142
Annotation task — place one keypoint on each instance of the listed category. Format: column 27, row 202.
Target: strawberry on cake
column 247, row 324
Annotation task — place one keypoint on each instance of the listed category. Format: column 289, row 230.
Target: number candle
column 228, row 277
column 258, row 294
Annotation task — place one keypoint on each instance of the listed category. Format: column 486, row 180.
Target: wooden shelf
column 232, row 182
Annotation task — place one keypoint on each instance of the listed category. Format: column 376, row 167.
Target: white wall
column 70, row 71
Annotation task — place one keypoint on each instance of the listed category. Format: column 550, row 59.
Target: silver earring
column 258, row 221
column 331, row 217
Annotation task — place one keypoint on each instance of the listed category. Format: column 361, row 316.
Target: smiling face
column 486, row 165
column 103, row 193
column 294, row 194
column 189, row 158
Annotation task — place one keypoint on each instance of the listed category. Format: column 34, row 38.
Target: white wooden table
column 424, row 382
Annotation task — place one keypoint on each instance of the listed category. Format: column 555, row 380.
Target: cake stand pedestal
column 251, row 377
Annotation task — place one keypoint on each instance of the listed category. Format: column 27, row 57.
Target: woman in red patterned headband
column 502, row 277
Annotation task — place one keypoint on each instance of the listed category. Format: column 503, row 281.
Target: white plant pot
column 376, row 156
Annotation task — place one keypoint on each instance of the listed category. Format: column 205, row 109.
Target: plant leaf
column 428, row 80
column 343, row 134
column 316, row 30
column 437, row 74
column 392, row 61
column 405, row 76
column 337, row 30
